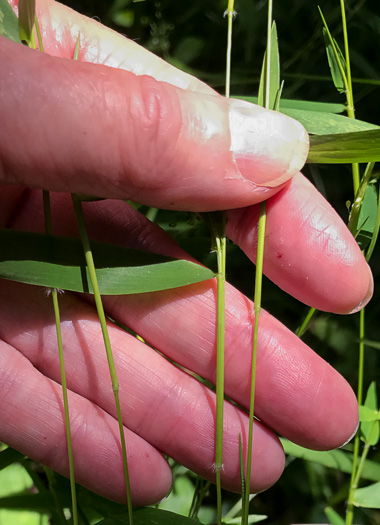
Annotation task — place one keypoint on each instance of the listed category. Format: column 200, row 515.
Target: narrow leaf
column 26, row 17
column 8, row 22
column 274, row 85
column 371, row 344
column 58, row 262
column 287, row 103
column 334, row 517
column 320, row 123
column 336, row 62
column 9, row 456
column 370, row 431
column 368, row 497
column 336, row 459
column 345, row 148
column 335, row 58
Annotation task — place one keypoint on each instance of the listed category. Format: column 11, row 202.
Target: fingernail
column 352, row 436
column 367, row 296
column 269, row 148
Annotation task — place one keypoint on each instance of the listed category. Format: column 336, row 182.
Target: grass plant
column 334, row 140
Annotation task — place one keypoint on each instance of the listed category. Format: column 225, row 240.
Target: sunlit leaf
column 345, row 148
column 368, row 414
column 319, row 123
column 8, row 22
column 370, row 432
column 368, row 497
column 58, row 262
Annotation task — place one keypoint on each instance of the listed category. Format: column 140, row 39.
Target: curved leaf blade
column 345, row 148
column 58, row 262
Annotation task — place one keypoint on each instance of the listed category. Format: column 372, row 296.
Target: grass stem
column 54, row 296
column 102, row 319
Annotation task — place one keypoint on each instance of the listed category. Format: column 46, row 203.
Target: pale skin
column 166, row 140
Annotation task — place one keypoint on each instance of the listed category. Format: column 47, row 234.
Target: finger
column 309, row 251
column 298, row 394
column 32, row 421
column 61, row 27
column 115, row 134
column 159, row 402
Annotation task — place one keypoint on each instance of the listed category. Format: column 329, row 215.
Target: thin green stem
column 359, row 197
column 349, row 91
column 301, row 330
column 220, row 336
column 58, row 508
column 102, row 319
column 258, row 289
column 354, row 478
column 257, row 310
column 54, row 296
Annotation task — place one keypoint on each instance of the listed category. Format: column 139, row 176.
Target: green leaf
column 370, row 432
column 274, row 74
column 368, row 414
column 26, row 17
column 366, row 222
column 148, row 516
column 287, row 103
column 334, row 517
column 368, row 497
column 336, row 62
column 9, row 456
column 58, row 262
column 345, row 148
column 8, row 22
column 335, row 58
column 336, row 459
column 371, row 344
column 320, row 123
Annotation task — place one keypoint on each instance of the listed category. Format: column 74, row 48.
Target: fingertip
column 269, row 148
column 367, row 296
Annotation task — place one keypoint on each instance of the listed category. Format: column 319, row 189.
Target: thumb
column 79, row 127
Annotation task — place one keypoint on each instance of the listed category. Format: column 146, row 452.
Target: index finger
column 111, row 133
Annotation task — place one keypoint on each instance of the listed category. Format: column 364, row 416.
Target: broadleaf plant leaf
column 368, row 497
column 345, row 148
column 370, row 431
column 336, row 459
column 367, row 217
column 58, row 262
column 8, row 22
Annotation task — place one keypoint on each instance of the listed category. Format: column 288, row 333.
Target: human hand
column 106, row 132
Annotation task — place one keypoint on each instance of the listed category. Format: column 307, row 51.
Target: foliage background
column 192, row 35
